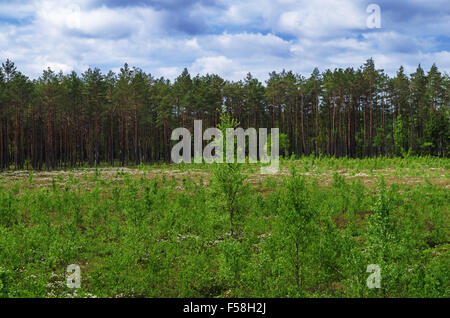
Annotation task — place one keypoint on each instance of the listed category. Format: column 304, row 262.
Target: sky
column 226, row 37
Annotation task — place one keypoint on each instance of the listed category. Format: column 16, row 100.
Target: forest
column 70, row 120
column 86, row 182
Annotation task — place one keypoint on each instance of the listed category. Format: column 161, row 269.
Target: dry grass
column 401, row 176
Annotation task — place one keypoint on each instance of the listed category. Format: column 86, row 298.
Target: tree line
column 68, row 120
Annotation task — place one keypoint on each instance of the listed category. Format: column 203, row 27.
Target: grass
column 161, row 231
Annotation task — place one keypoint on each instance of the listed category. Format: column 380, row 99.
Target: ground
column 161, row 230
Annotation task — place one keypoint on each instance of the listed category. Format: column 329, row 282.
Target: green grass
column 161, row 231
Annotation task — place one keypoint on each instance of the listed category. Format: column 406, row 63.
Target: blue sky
column 230, row 38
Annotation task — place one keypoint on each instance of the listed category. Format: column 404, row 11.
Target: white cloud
column 218, row 65
column 212, row 64
column 322, row 18
column 247, row 44
column 247, row 36
column 13, row 9
column 168, row 72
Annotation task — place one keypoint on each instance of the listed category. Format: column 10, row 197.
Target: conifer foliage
column 68, row 120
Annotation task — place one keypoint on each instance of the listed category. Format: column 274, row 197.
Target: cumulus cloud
column 215, row 65
column 322, row 18
column 248, row 44
column 230, row 38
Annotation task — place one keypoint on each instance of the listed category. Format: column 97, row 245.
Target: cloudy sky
column 227, row 37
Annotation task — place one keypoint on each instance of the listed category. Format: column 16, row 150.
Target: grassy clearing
column 163, row 230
